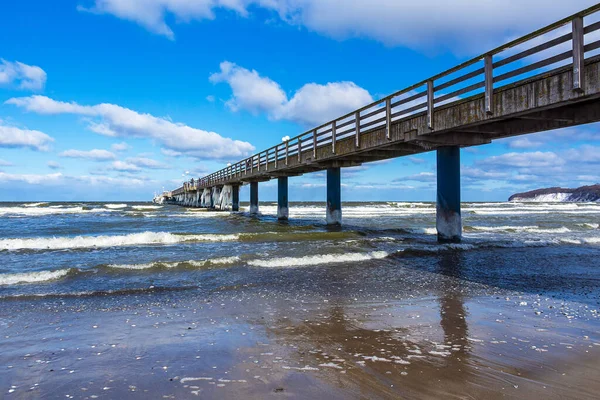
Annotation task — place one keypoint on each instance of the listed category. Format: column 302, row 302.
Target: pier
column 546, row 80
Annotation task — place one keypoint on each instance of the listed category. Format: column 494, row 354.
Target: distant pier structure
column 546, row 80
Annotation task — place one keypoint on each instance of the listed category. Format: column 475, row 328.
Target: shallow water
column 81, row 248
column 135, row 299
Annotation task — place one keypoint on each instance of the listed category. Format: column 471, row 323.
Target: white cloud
column 420, row 177
column 151, row 14
column 530, row 159
column 30, row 178
column 124, row 166
column 251, row 91
column 144, row 162
column 11, row 136
column 53, row 165
column 312, row 104
column 21, row 76
column 586, row 153
column 120, row 146
column 461, row 25
column 524, row 143
column 95, row 154
column 116, row 121
column 417, row 160
column 4, row 163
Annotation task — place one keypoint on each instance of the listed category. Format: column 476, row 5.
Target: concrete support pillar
column 449, row 222
column 282, row 198
column 235, row 198
column 334, row 197
column 253, row 197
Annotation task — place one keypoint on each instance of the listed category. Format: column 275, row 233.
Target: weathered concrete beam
column 448, row 221
column 334, row 197
column 282, row 198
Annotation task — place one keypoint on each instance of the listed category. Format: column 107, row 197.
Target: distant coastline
column 558, row 194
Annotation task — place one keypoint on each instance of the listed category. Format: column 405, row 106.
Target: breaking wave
column 317, row 259
column 33, row 277
column 83, row 242
column 115, row 206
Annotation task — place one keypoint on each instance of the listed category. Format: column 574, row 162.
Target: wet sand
column 426, row 327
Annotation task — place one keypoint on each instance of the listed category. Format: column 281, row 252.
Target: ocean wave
column 82, row 242
column 35, row 204
column 317, row 259
column 146, row 207
column 178, row 264
column 33, row 277
column 115, row 206
column 511, row 228
column 41, row 211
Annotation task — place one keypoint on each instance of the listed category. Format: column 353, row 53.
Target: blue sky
column 116, row 99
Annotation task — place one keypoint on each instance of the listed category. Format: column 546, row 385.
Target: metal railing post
column 299, row 150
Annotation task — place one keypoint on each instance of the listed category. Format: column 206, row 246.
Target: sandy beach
column 434, row 330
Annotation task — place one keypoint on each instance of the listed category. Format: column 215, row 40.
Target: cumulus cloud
column 524, row 143
column 124, row 166
column 151, row 14
column 11, row 136
column 95, row 154
column 531, row 170
column 120, row 146
column 22, row 76
column 53, row 165
column 530, row 159
column 459, row 26
column 144, row 162
column 116, row 121
column 312, row 104
column 31, row 179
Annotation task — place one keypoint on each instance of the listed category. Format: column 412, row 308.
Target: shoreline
column 307, row 333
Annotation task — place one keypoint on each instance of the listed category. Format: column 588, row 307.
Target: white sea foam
column 318, row 259
column 146, row 207
column 32, row 277
column 591, row 226
column 40, row 211
column 34, row 204
column 115, row 206
column 175, row 264
column 80, row 242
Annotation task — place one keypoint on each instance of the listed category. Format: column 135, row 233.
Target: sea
column 65, row 250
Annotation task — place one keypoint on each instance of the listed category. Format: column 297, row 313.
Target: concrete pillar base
column 235, row 198
column 254, row 198
column 334, row 197
column 448, row 220
column 282, row 198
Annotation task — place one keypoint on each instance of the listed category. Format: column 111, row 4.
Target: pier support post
column 449, row 222
column 334, row 197
column 235, row 198
column 253, row 197
column 282, row 198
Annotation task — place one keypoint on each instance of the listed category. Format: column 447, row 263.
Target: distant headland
column 581, row 194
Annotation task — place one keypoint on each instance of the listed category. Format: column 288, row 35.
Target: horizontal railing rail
column 506, row 64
